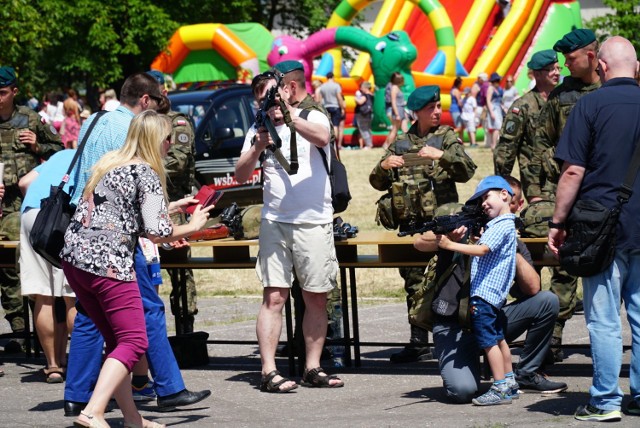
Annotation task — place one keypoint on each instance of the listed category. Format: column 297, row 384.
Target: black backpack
column 340, row 195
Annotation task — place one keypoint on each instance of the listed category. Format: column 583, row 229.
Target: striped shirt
column 109, row 134
column 493, row 273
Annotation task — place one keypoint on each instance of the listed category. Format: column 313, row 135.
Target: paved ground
column 378, row 394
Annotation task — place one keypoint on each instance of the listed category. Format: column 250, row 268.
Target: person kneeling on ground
column 533, row 311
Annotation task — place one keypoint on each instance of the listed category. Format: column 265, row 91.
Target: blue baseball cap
column 158, row 75
column 492, row 182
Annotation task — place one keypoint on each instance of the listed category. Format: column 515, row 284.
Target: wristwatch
column 559, row 226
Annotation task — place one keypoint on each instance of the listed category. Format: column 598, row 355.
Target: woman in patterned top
column 125, row 198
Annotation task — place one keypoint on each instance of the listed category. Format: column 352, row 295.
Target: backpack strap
column 304, row 114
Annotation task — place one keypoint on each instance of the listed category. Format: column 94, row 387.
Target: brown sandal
column 312, row 378
column 268, row 385
column 54, row 375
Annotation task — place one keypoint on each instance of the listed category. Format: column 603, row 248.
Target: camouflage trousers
column 564, row 286
column 175, row 296
column 12, row 298
column 413, row 279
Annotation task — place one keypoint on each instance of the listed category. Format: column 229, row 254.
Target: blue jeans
column 457, row 350
column 603, row 294
column 85, row 349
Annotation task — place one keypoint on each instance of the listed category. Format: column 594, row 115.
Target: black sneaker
column 411, row 354
column 593, row 414
column 579, row 308
column 555, row 351
column 14, row 346
column 633, row 408
column 540, row 383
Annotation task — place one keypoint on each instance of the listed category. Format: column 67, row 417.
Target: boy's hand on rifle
column 456, row 235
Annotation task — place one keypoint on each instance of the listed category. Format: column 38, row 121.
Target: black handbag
column 590, row 245
column 47, row 234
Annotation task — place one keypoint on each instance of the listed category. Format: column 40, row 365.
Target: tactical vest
column 414, row 191
column 18, row 158
column 182, row 133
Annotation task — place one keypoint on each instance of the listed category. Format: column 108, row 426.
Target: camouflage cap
column 7, row 76
column 578, row 38
column 423, row 96
column 10, row 227
column 541, row 59
column 285, row 67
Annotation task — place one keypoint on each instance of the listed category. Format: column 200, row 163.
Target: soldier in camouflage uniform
column 420, row 171
column 579, row 48
column 518, row 130
column 180, row 166
column 25, row 140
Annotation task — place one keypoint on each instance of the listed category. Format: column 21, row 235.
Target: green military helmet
column 10, row 228
column 449, row 209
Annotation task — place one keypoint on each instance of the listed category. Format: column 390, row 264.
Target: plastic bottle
column 338, row 348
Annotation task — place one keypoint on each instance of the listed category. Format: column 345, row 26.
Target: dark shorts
column 487, row 323
column 336, row 115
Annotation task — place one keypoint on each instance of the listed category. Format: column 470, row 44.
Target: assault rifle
column 264, row 121
column 472, row 216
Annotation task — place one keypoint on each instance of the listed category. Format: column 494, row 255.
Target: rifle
column 472, row 216
column 264, row 121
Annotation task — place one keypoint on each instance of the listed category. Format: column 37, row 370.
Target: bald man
column 596, row 147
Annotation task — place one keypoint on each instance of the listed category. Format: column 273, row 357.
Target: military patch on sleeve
column 181, row 122
column 515, row 110
column 53, row 129
column 510, row 127
column 183, row 138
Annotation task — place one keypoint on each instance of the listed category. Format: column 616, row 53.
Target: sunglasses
column 154, row 98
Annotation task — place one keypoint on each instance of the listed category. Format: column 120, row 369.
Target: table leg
column 346, row 336
column 354, row 315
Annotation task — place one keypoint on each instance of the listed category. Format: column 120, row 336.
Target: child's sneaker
column 590, row 413
column 145, row 393
column 514, row 388
column 492, row 397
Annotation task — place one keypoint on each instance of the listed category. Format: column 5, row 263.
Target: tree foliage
column 94, row 44
column 623, row 21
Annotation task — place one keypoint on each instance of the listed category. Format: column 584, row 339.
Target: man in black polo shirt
column 596, row 147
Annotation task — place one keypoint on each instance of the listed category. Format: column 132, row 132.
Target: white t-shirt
column 469, row 106
column 301, row 198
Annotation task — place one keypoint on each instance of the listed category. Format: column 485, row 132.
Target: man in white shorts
column 296, row 233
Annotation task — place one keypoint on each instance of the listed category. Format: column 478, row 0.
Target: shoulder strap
column 305, row 114
column 626, row 189
column 65, row 179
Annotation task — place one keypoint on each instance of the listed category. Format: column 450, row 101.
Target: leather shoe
column 182, row 398
column 73, row 408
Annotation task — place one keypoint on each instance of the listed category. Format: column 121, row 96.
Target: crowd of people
column 125, row 203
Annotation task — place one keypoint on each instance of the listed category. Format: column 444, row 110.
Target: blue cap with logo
column 492, row 182
column 157, row 75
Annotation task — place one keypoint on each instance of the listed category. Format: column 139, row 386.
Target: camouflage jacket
column 431, row 184
column 516, row 136
column 544, row 170
column 18, row 158
column 180, row 161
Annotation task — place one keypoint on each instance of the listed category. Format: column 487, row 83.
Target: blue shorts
column 336, row 115
column 487, row 322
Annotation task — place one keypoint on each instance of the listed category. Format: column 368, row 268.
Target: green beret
column 423, row 96
column 541, row 59
column 285, row 67
column 7, row 76
column 575, row 40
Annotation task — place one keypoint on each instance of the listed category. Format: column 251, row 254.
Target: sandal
column 268, row 385
column 92, row 421
column 313, row 378
column 54, row 375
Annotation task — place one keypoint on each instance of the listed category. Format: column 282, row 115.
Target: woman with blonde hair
column 125, row 198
